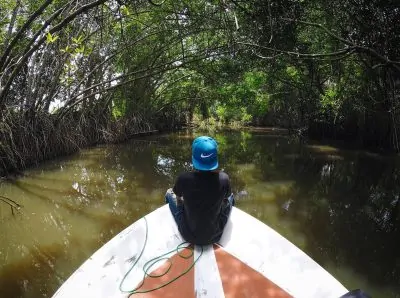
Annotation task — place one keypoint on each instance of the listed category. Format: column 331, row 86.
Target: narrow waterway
column 341, row 207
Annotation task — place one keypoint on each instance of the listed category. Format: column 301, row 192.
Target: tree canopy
column 96, row 70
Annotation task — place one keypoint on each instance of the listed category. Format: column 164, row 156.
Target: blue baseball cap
column 205, row 153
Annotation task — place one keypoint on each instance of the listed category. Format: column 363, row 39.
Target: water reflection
column 341, row 207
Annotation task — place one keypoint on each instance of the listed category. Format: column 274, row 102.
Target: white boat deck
column 246, row 238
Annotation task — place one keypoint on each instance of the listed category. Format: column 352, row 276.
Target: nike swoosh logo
column 205, row 156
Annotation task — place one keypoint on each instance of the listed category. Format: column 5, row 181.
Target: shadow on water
column 348, row 209
column 351, row 211
column 46, row 267
column 35, row 272
column 114, row 218
column 341, row 207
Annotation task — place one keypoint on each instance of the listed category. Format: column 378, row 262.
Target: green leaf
column 80, row 50
column 49, row 38
column 125, row 10
column 78, row 40
column 66, row 50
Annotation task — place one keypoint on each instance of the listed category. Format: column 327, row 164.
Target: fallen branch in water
column 11, row 203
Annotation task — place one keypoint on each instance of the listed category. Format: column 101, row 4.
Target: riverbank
column 27, row 142
column 305, row 134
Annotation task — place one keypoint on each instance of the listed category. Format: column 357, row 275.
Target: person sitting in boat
column 201, row 200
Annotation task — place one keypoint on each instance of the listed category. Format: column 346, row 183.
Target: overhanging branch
column 151, row 72
column 372, row 52
column 297, row 54
column 56, row 28
column 27, row 24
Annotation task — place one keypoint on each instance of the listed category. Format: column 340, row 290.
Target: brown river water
column 341, row 207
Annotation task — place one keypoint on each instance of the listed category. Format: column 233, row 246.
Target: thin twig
column 297, row 54
column 156, row 4
column 11, row 203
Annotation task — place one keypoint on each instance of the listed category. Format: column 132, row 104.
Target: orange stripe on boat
column 182, row 287
column 241, row 281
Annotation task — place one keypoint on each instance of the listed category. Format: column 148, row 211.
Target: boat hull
column 250, row 260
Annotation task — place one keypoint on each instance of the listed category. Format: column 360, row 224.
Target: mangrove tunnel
column 80, row 74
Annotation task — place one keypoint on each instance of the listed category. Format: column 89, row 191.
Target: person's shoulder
column 185, row 175
column 223, row 175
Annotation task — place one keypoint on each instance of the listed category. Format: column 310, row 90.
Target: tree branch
column 270, row 22
column 37, row 34
column 11, row 203
column 297, row 54
column 164, row 67
column 27, row 24
column 56, row 28
column 176, row 40
column 386, row 60
column 12, row 23
column 156, row 4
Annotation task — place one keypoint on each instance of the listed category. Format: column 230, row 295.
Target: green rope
column 149, row 264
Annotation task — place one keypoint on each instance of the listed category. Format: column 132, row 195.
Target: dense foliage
column 75, row 73
column 335, row 65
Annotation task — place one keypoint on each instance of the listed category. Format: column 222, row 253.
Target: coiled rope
column 149, row 264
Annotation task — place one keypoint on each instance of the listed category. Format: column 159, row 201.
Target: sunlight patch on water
column 323, row 148
column 261, row 201
column 248, row 173
column 258, row 189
